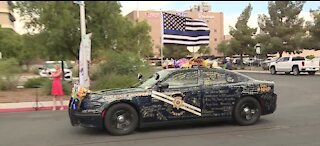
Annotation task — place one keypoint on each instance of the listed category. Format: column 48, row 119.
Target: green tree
column 204, row 50
column 283, row 26
column 313, row 40
column 30, row 50
column 242, row 41
column 138, row 39
column 225, row 48
column 58, row 25
column 175, row 51
column 11, row 43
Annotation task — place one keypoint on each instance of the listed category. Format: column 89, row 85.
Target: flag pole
column 161, row 37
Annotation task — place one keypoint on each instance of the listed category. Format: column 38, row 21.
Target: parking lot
column 296, row 122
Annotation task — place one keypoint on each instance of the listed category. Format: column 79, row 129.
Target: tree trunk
column 241, row 61
column 280, row 54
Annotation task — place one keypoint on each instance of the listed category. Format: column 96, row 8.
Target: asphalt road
column 295, row 123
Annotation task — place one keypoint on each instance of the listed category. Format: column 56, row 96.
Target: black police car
column 174, row 96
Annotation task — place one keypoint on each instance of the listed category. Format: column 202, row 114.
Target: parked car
column 48, row 68
column 175, row 96
column 248, row 61
column 266, row 63
column 296, row 65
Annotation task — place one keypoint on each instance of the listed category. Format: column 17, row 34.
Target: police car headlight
column 92, row 105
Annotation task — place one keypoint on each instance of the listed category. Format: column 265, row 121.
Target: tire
column 295, row 71
column 121, row 119
column 273, row 70
column 312, row 73
column 287, row 73
column 247, row 111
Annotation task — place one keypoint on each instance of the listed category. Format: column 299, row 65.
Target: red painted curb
column 29, row 109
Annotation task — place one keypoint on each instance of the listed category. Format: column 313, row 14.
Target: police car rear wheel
column 121, row 119
column 247, row 111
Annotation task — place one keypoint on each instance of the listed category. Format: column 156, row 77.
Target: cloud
column 231, row 20
column 306, row 16
column 19, row 24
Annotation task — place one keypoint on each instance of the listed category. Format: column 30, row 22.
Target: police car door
column 219, row 94
column 182, row 98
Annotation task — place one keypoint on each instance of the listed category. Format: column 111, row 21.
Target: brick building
column 214, row 20
column 6, row 15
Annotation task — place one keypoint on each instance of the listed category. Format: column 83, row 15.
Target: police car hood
column 111, row 92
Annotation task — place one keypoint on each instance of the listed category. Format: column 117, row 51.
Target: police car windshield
column 152, row 80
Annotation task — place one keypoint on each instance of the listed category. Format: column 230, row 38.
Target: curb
column 252, row 71
column 30, row 106
column 262, row 72
column 25, row 109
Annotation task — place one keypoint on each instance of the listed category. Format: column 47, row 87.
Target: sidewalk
column 30, row 106
column 262, row 71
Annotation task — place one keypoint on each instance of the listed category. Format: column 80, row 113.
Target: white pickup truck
column 295, row 64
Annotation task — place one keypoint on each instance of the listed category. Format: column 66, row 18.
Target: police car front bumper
column 84, row 118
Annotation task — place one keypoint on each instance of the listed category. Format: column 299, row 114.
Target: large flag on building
column 184, row 30
column 84, row 61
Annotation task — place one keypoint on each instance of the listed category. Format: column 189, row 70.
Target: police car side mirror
column 157, row 76
column 140, row 76
column 163, row 86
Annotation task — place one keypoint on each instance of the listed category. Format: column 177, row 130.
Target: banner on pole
column 84, row 61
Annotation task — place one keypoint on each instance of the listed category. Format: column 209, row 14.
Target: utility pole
column 83, row 62
column 82, row 19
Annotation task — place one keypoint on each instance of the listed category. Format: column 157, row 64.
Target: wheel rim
column 249, row 111
column 122, row 120
column 272, row 70
column 295, row 71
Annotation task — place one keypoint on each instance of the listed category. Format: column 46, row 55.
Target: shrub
column 35, row 82
column 34, row 70
column 310, row 57
column 8, row 82
column 119, row 70
column 114, row 81
column 75, row 71
column 9, row 68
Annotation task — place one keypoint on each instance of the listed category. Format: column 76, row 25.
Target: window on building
column 215, row 30
column 11, row 17
column 215, row 39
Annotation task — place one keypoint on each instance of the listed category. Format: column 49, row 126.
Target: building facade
column 153, row 18
column 6, row 15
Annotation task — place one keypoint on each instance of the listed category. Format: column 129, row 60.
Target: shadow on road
column 201, row 125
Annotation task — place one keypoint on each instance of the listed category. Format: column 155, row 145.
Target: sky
column 230, row 9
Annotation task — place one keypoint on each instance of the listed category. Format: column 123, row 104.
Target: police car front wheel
column 121, row 119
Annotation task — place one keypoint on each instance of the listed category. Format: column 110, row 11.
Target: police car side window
column 183, row 79
column 212, row 77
